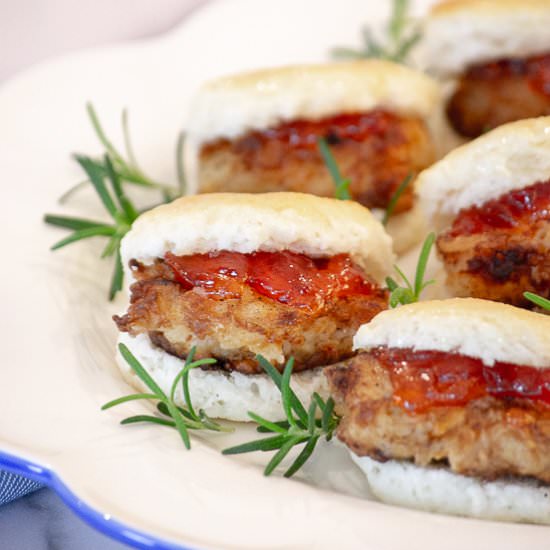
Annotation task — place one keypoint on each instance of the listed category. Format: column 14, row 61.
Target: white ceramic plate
column 138, row 484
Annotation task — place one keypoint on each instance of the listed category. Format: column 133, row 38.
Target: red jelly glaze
column 425, row 379
column 217, row 274
column 303, row 133
column 539, row 74
column 535, row 69
column 522, row 206
column 289, row 278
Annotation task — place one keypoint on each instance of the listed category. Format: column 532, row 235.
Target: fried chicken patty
column 500, row 249
column 375, row 150
column 500, row 264
column 488, row 437
column 236, row 328
column 490, row 94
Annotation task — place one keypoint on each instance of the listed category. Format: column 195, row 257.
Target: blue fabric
column 13, row 486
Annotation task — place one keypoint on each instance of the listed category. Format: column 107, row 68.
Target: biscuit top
column 240, row 222
column 234, row 105
column 460, row 33
column 510, row 157
column 485, row 330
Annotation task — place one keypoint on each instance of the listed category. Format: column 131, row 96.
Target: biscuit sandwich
column 498, row 53
column 236, row 275
column 446, row 408
column 490, row 202
column 258, row 132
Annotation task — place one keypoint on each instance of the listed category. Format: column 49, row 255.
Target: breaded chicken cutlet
column 259, row 132
column 455, row 391
column 490, row 201
column 236, row 275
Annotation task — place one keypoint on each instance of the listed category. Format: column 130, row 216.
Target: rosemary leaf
column 341, row 185
column 395, row 197
column 117, row 278
column 126, row 399
column 185, row 381
column 147, row 418
column 267, row 426
column 154, row 387
column 304, row 455
column 163, row 409
column 281, row 454
column 96, row 175
column 80, row 234
column 292, row 431
column 419, row 285
column 111, row 247
column 537, row 300
column 101, row 134
column 404, row 277
column 311, row 416
column 285, row 392
column 276, row 376
column 127, row 141
column 391, row 284
column 125, row 204
column 328, row 414
column 401, row 296
column 406, row 46
column 265, row 444
column 143, row 375
column 72, row 190
column 400, row 38
column 409, row 294
column 72, row 223
column 398, row 19
column 180, row 169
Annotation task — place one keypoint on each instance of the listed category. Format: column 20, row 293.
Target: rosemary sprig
column 395, row 197
column 537, row 300
column 128, row 169
column 300, row 427
column 400, row 38
column 182, row 419
column 117, row 204
column 114, row 168
column 341, row 184
column 402, row 295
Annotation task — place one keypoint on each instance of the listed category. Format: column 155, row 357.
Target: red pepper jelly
column 519, row 207
column 539, row 74
column 535, row 69
column 425, row 379
column 289, row 278
column 303, row 133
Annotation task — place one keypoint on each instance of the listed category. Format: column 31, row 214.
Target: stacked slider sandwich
column 236, row 275
column 498, row 51
column 446, row 408
column 490, row 200
column 258, row 132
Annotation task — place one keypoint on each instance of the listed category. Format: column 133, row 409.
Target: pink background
column 34, row 30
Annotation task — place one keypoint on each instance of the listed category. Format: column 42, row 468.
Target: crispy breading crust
column 235, row 330
column 498, row 265
column 375, row 166
column 488, row 438
column 490, row 95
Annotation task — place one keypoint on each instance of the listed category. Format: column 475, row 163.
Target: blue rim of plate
column 102, row 522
